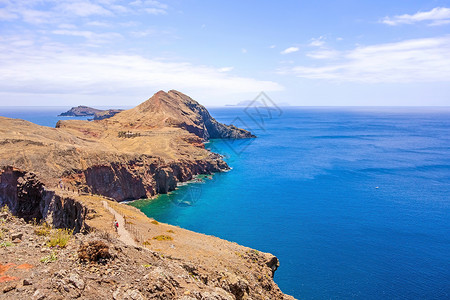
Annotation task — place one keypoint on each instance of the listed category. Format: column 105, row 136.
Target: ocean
column 353, row 201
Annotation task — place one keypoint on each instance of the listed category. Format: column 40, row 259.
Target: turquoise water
column 306, row 191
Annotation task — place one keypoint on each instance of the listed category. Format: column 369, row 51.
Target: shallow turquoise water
column 306, row 191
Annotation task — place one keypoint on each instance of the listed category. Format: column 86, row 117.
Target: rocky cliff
column 106, row 114
column 29, row 199
column 80, row 111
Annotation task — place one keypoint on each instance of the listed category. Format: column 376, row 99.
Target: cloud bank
column 436, row 16
column 415, row 60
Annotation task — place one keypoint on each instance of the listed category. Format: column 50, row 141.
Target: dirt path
column 124, row 235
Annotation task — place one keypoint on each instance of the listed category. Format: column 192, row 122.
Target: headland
column 72, row 177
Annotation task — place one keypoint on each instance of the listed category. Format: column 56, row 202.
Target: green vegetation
column 154, row 222
column 146, row 243
column 5, row 244
column 163, row 237
column 146, row 266
column 60, row 238
column 43, row 229
column 49, row 258
column 5, row 209
column 170, row 231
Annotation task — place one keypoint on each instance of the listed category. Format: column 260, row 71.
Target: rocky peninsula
column 72, row 177
column 85, row 111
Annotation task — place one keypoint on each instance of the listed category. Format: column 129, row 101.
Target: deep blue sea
column 355, row 202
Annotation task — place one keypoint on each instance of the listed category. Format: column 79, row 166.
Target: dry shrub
column 60, row 238
column 163, row 237
column 94, row 251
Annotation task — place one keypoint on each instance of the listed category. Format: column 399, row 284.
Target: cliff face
column 106, row 114
column 28, row 198
column 80, row 111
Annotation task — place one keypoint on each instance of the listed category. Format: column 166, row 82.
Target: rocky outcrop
column 80, row 111
column 27, row 270
column 106, row 114
column 175, row 109
column 28, row 198
column 141, row 178
column 85, row 111
column 205, row 126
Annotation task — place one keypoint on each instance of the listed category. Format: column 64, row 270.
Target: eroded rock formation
column 28, row 198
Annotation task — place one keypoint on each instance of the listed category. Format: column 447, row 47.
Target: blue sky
column 114, row 52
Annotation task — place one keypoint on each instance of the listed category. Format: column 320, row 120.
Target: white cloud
column 289, row 50
column 6, row 15
column 436, row 16
column 40, row 12
column 67, row 26
column 225, row 69
column 36, row 16
column 98, row 24
column 244, row 51
column 151, row 6
column 61, row 70
column 155, row 11
column 319, row 42
column 144, row 33
column 84, row 9
column 90, row 35
column 323, row 54
column 417, row 60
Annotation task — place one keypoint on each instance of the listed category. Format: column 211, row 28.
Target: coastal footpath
column 73, row 176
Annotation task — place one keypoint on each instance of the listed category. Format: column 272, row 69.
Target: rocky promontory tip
column 80, row 111
column 86, row 111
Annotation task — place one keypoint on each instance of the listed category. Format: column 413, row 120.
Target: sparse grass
column 170, row 231
column 60, row 238
column 5, row 209
column 43, row 229
column 154, row 222
column 5, row 244
column 163, row 237
column 146, row 266
column 146, row 243
column 49, row 258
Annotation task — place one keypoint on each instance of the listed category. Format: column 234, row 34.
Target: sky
column 307, row 53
